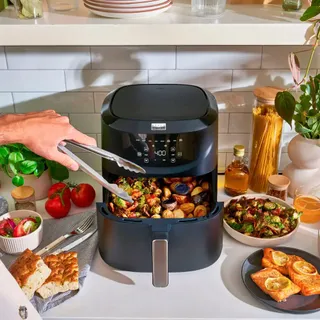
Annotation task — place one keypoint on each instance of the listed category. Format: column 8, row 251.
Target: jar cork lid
column 22, row 192
column 279, row 182
column 238, row 150
column 266, row 95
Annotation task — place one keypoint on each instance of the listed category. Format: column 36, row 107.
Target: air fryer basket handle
column 160, row 261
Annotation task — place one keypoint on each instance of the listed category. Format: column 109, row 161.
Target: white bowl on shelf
column 19, row 244
column 259, row 242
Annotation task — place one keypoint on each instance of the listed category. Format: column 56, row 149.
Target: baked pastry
column 305, row 275
column 30, row 272
column 64, row 275
column 273, row 283
column 276, row 260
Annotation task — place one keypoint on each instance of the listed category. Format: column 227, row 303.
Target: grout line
column 5, row 58
column 90, row 58
column 232, row 75
column 261, row 58
column 13, row 103
column 176, row 58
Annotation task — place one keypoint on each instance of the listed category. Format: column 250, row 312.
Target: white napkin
column 12, row 298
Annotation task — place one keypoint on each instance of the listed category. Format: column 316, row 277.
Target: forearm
column 9, row 132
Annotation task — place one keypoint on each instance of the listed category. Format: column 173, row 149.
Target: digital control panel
column 162, row 149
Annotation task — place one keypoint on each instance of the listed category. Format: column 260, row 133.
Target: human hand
column 42, row 132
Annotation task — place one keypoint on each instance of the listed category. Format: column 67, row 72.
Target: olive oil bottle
column 237, row 173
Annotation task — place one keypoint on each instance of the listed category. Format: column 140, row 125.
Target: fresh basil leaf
column 310, row 12
column 285, row 105
column 13, row 168
column 15, row 157
column 4, row 151
column 27, row 166
column 315, row 3
column 39, row 170
column 6, row 171
column 29, row 155
column 18, row 181
column 58, row 172
column 16, row 146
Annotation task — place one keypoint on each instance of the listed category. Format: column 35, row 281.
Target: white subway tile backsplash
column 99, row 140
column 233, row 101
column 286, row 138
column 227, row 141
column 218, row 57
column 98, row 100
column 86, row 123
column 221, row 162
column 134, row 58
column 276, row 57
column 286, row 128
column 32, row 80
column 48, row 58
column 213, row 80
column 103, row 80
column 284, row 161
column 240, row 123
column 3, row 63
column 6, row 103
column 223, row 122
column 68, row 102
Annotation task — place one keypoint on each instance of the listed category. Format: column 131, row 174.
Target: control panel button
column 173, row 160
column 139, row 154
column 179, row 154
column 146, row 160
column 173, row 149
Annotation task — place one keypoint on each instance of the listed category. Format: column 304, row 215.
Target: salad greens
column 260, row 218
column 18, row 227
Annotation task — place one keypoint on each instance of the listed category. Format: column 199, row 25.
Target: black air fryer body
column 171, row 131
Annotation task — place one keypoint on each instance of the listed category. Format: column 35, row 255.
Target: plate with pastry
column 283, row 278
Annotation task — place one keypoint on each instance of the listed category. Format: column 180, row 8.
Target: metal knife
column 76, row 242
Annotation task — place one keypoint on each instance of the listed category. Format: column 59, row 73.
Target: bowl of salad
column 260, row 220
column 20, row 230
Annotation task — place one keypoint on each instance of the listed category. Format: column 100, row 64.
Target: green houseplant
column 304, row 148
column 24, row 167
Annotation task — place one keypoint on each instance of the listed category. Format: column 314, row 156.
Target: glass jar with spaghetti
column 266, row 138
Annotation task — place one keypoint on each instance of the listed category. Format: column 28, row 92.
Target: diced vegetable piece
column 270, row 206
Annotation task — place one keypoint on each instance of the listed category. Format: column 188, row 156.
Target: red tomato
column 83, row 195
column 58, row 187
column 58, row 206
column 5, row 228
column 19, row 230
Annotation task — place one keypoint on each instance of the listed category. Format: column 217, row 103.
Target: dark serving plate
column 297, row 304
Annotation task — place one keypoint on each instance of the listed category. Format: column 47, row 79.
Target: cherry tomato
column 58, row 187
column 58, row 206
column 83, row 195
column 5, row 228
column 19, row 230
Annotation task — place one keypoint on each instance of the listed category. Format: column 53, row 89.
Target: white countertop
column 239, row 25
column 213, row 293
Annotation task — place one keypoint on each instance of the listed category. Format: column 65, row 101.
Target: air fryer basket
column 161, row 245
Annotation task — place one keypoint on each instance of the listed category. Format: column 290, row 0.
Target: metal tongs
column 126, row 164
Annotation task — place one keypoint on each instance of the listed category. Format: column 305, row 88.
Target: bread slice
column 260, row 278
column 64, row 275
column 30, row 272
column 309, row 284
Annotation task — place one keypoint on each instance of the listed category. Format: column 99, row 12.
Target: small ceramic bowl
column 19, row 244
column 259, row 242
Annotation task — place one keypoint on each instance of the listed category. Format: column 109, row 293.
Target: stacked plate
column 127, row 9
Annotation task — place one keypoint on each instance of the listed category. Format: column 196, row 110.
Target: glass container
column 291, row 5
column 237, row 173
column 24, row 198
column 266, row 139
column 278, row 186
column 63, row 5
column 208, row 7
column 29, row 9
column 307, row 201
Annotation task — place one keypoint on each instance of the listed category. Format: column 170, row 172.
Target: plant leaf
column 15, row 157
column 294, row 66
column 39, row 170
column 310, row 12
column 13, row 167
column 27, row 166
column 18, row 181
column 4, row 152
column 285, row 105
column 58, row 172
column 315, row 3
column 301, row 129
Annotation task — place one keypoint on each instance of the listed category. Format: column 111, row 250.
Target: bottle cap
column 22, row 192
column 238, row 150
